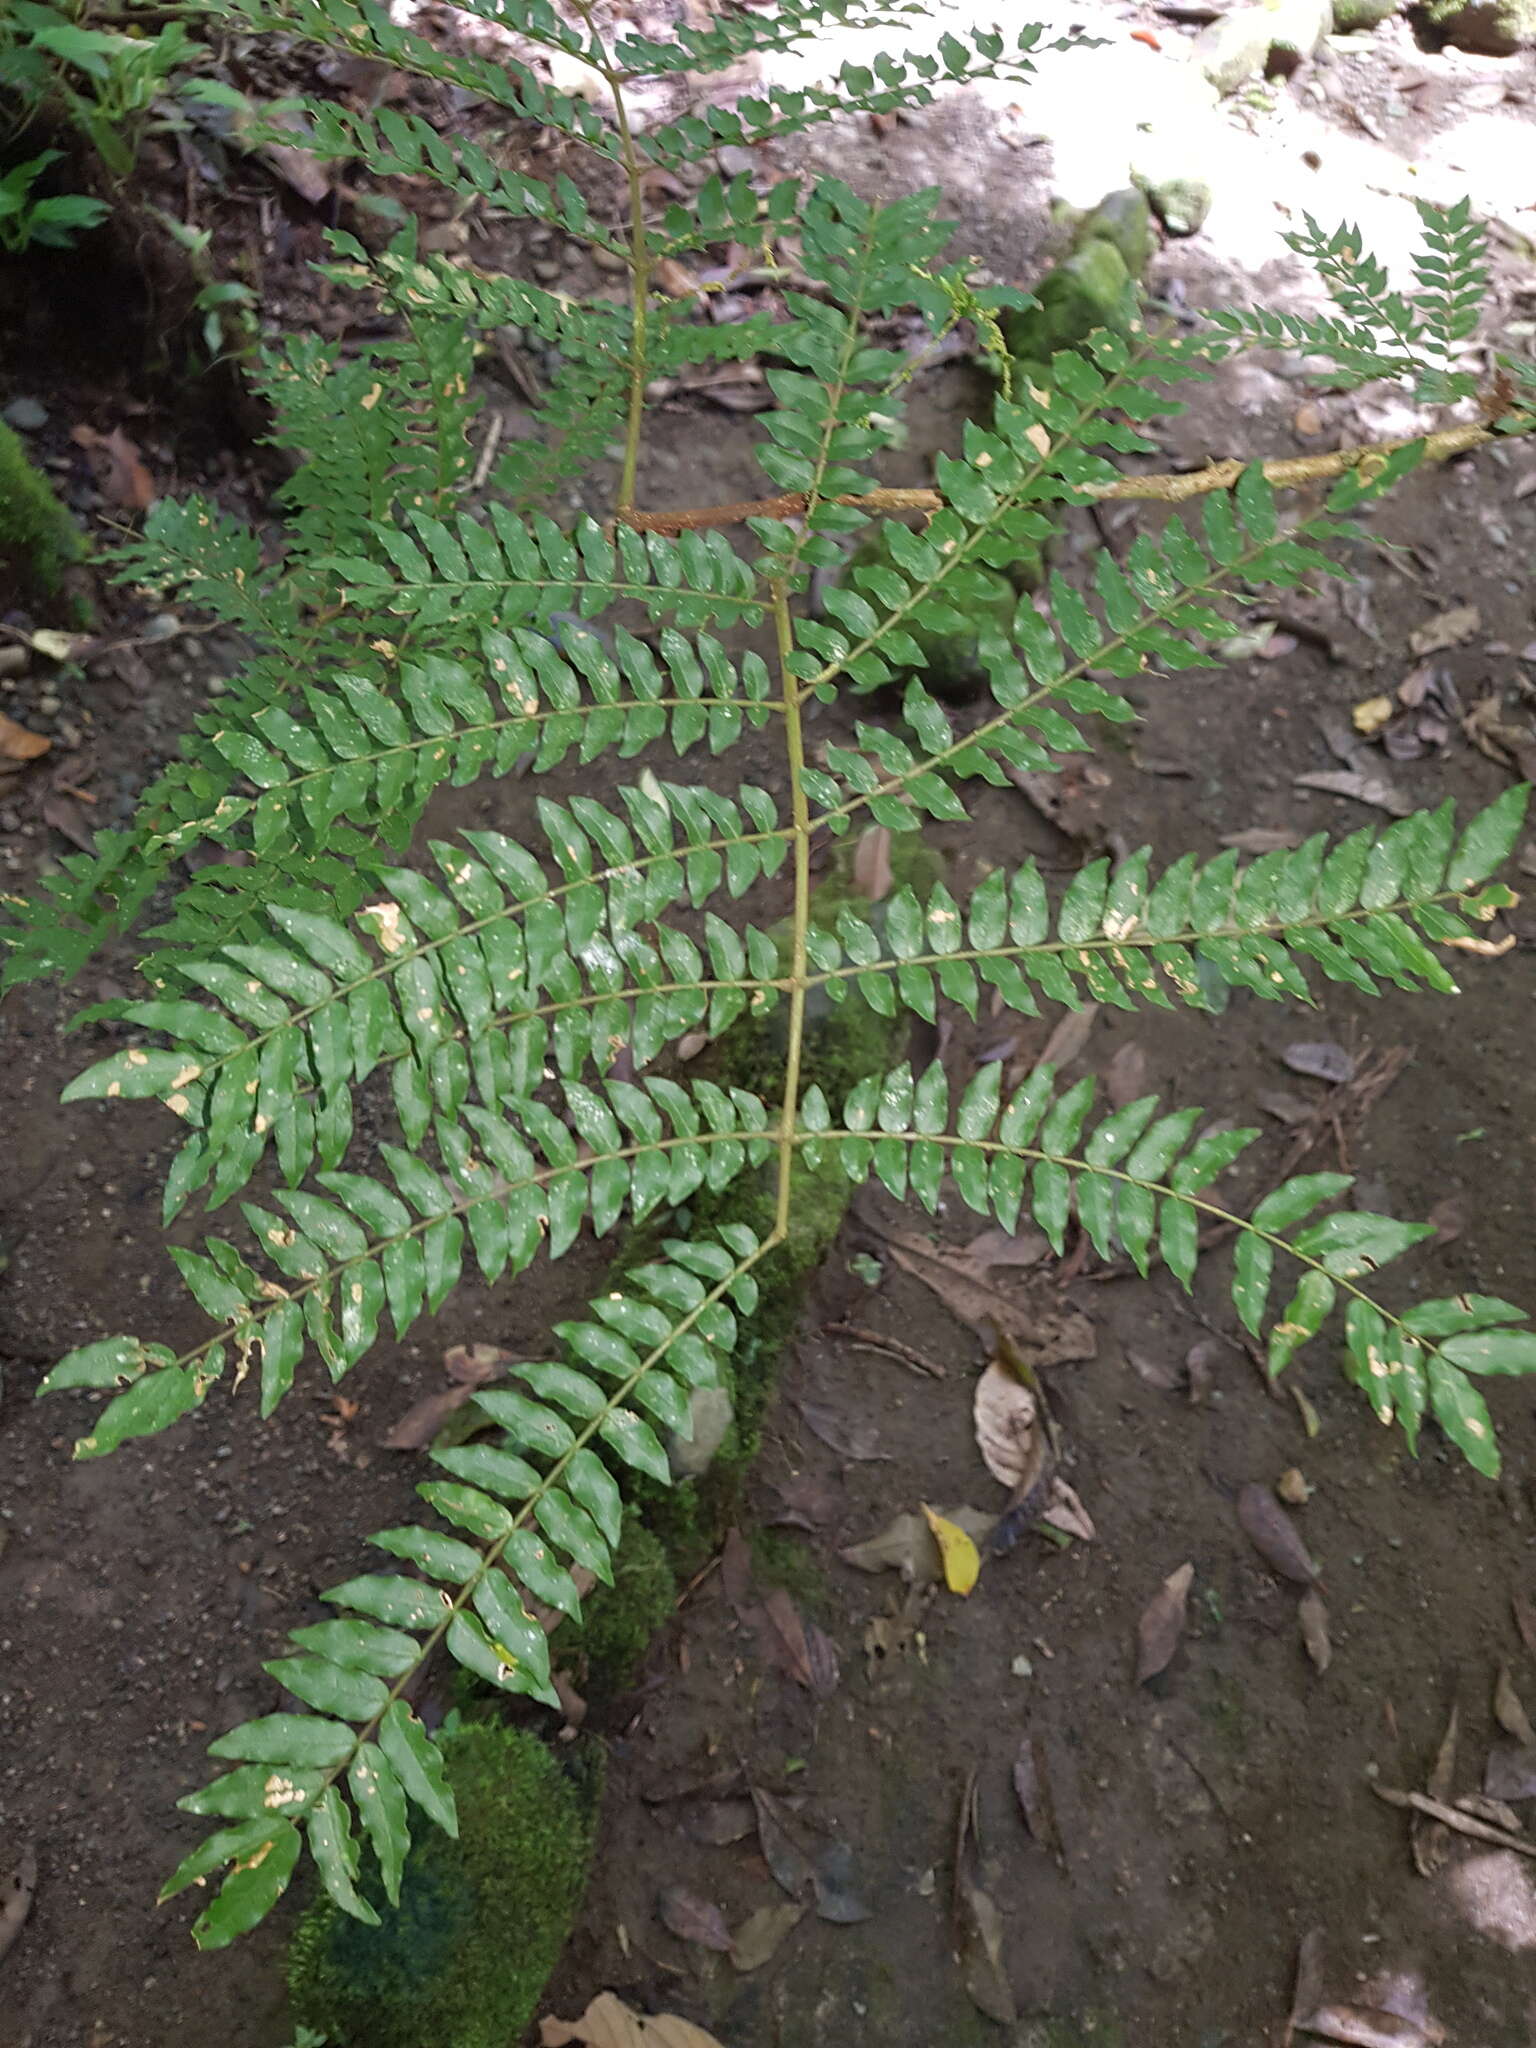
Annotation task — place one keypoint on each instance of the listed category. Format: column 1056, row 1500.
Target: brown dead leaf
column 609, row 2023
column 791, row 1868
column 1032, row 1787
column 1449, row 1218
column 691, row 1918
column 67, row 814
column 907, row 1545
column 978, row 1924
column 1065, row 1511
column 18, row 744
column 1312, row 1619
column 1069, row 1038
column 125, row 481
column 1307, row 1994
column 798, row 1647
column 804, row 1502
column 1008, row 1433
column 1510, row 1772
column 1364, row 787
column 1026, row 1247
column 299, row 168
column 1428, row 1839
column 1125, row 1077
column 1043, row 1334
column 16, row 1896
column 1167, row 1378
column 1446, row 629
column 1273, row 1534
column 872, row 863
column 1524, row 1610
column 1161, row 1626
column 1070, row 798
column 717, row 1822
column 1509, row 1710
column 858, row 1441
column 760, row 1937
column 674, row 278
column 469, row 1366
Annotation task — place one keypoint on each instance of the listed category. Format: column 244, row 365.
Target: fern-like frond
column 514, row 1179
column 1373, row 904
column 481, row 984
column 541, row 1511
column 1136, row 1184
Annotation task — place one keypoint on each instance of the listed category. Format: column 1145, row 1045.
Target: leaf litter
column 609, row 2023
column 469, row 1367
column 1032, row 1789
column 763, row 1933
column 1161, row 1627
column 1428, row 1842
column 856, row 1441
column 1509, row 1710
column 959, row 1558
column 907, row 1545
column 831, row 1878
column 1312, row 1619
column 977, row 1923
column 1273, row 1534
column 693, row 1919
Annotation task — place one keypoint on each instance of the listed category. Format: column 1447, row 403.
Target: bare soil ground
column 1205, row 1822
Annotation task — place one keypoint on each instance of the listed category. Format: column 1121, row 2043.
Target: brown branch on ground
column 1290, row 473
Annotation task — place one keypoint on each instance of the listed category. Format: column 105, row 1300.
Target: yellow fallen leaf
column 18, row 744
column 962, row 1560
column 1371, row 714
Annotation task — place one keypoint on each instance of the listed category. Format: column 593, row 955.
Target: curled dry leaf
column 18, row 744
column 760, row 1937
column 609, row 2023
column 978, row 1924
column 799, row 1648
column 872, row 863
column 691, row 1918
column 1008, row 1432
column 1273, row 1534
column 1065, row 1511
column 1032, row 1787
column 1365, row 788
column 1312, row 1618
column 1162, row 1624
column 1509, row 1710
column 1446, row 629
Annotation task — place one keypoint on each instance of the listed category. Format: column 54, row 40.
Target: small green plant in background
column 514, row 1004
column 52, row 221
column 106, row 83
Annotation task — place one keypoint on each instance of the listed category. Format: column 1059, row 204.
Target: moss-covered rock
column 461, row 1961
column 1353, row 17
column 1093, row 288
column 1125, row 219
column 1490, row 28
column 39, row 542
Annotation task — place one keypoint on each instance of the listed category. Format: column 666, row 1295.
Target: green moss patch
column 461, row 1961
column 38, row 539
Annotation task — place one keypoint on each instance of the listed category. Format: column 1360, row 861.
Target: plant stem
column 1288, row 474
column 794, row 745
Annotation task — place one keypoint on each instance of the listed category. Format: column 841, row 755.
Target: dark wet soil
column 1204, row 1822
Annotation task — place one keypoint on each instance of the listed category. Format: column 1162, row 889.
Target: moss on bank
column 461, row 1961
column 38, row 539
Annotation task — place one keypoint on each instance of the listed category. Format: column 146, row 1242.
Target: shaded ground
column 1205, row 1822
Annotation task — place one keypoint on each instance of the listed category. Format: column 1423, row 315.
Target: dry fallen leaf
column 125, row 482
column 1260, row 839
column 1312, row 1618
column 1371, row 714
column 1064, row 1511
column 1070, row 1036
column 872, row 863
column 1509, row 1710
column 800, row 1649
column 907, row 1545
column 1428, row 1839
column 961, row 1559
column 760, row 1936
column 609, row 2023
column 1446, row 629
column 1375, row 790
column 1524, row 1611
column 1008, row 1435
column 1025, row 1247
column 1032, row 1787
column 16, row 1895
column 691, row 1918
column 1273, row 1534
column 1043, row 1335
column 1162, row 1624
column 18, row 744
column 675, row 278
column 1320, row 1060
column 469, row 1366
column 1365, row 2026
column 854, row 1440
column 978, row 1924
column 1125, row 1077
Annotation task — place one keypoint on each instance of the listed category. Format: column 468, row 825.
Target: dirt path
column 1205, row 1822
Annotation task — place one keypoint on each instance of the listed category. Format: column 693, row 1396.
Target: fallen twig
column 1453, row 1817
column 872, row 1340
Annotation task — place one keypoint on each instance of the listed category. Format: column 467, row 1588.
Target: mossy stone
column 461, row 1961
column 1093, row 288
column 1181, row 204
column 1125, row 219
column 1353, row 17
column 1488, row 28
column 39, row 541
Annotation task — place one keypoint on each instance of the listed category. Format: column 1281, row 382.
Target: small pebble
column 85, row 1169
column 48, row 704
column 546, row 269
column 25, row 415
